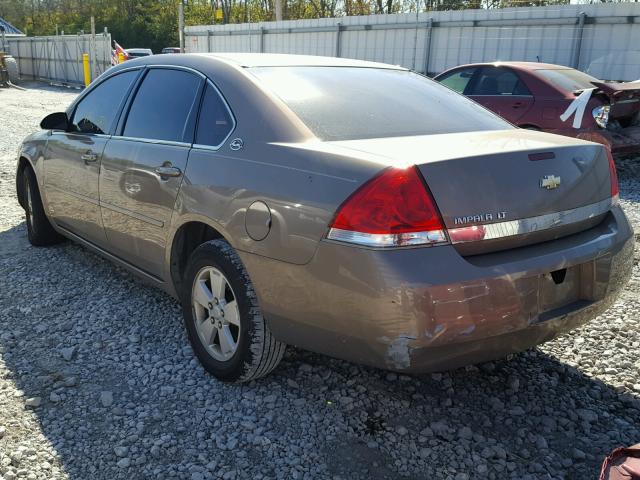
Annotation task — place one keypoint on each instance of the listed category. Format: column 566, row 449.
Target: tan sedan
column 351, row 208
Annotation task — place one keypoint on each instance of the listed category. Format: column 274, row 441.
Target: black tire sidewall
column 33, row 218
column 208, row 255
column 39, row 230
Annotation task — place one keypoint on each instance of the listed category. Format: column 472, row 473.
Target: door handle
column 89, row 157
column 166, row 171
column 517, row 105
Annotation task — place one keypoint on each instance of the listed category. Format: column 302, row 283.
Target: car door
column 501, row 90
column 142, row 166
column 72, row 158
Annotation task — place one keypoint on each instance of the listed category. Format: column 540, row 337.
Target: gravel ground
column 97, row 380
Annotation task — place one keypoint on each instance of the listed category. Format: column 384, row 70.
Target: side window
column 162, row 105
column 215, row 121
column 96, row 112
column 499, row 81
column 459, row 80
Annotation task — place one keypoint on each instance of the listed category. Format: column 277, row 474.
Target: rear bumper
column 623, row 141
column 425, row 309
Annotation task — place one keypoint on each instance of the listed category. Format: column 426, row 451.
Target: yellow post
column 85, row 67
column 120, row 57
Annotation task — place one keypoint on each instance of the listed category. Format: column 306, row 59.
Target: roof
column 523, row 65
column 8, row 28
column 287, row 60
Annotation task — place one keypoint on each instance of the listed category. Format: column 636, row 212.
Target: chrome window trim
column 178, row 67
column 80, row 134
column 229, row 111
column 151, row 140
column 494, row 231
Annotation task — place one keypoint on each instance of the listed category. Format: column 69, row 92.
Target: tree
column 153, row 23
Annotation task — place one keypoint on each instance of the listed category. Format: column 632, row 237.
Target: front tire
column 39, row 229
column 224, row 322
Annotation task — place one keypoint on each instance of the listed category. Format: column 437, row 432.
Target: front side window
column 498, row 81
column 346, row 103
column 162, row 106
column 96, row 112
column 459, row 80
column 215, row 121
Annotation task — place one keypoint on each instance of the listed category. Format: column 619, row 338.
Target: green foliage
column 153, row 23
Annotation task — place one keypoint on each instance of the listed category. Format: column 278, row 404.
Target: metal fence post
column 106, row 49
column 65, row 59
column 47, row 58
column 33, row 59
column 338, row 35
column 37, row 59
column 427, row 45
column 93, row 54
column 578, row 45
column 181, row 26
column 261, row 39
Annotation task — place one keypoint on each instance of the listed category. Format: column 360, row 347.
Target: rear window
column 346, row 103
column 568, row 79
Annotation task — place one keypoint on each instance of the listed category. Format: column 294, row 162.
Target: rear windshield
column 346, row 103
column 568, row 79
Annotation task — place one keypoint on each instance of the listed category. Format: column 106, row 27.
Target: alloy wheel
column 216, row 313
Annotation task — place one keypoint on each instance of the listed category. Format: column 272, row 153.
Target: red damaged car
column 555, row 99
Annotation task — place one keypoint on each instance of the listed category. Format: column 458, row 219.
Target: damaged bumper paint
column 621, row 141
column 427, row 309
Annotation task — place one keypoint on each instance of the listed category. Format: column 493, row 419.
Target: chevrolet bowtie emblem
column 549, row 182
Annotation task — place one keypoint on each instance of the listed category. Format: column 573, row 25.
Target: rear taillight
column 613, row 175
column 601, row 115
column 392, row 209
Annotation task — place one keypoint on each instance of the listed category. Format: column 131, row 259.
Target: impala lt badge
column 479, row 218
column 549, row 182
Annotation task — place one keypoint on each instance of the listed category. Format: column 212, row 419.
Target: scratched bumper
column 623, row 141
column 426, row 309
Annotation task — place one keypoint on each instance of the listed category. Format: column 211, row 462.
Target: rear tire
column 39, row 229
column 12, row 69
column 224, row 322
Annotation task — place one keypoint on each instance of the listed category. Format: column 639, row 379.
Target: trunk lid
column 485, row 178
column 623, row 98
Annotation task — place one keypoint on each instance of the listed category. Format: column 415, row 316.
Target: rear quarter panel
column 549, row 103
column 302, row 186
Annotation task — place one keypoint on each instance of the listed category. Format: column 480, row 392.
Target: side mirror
column 55, row 121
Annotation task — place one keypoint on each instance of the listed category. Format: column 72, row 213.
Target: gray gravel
column 97, row 380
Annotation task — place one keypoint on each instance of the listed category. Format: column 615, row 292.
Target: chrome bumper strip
column 492, row 231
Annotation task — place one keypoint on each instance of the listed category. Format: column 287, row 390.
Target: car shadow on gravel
column 121, row 395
